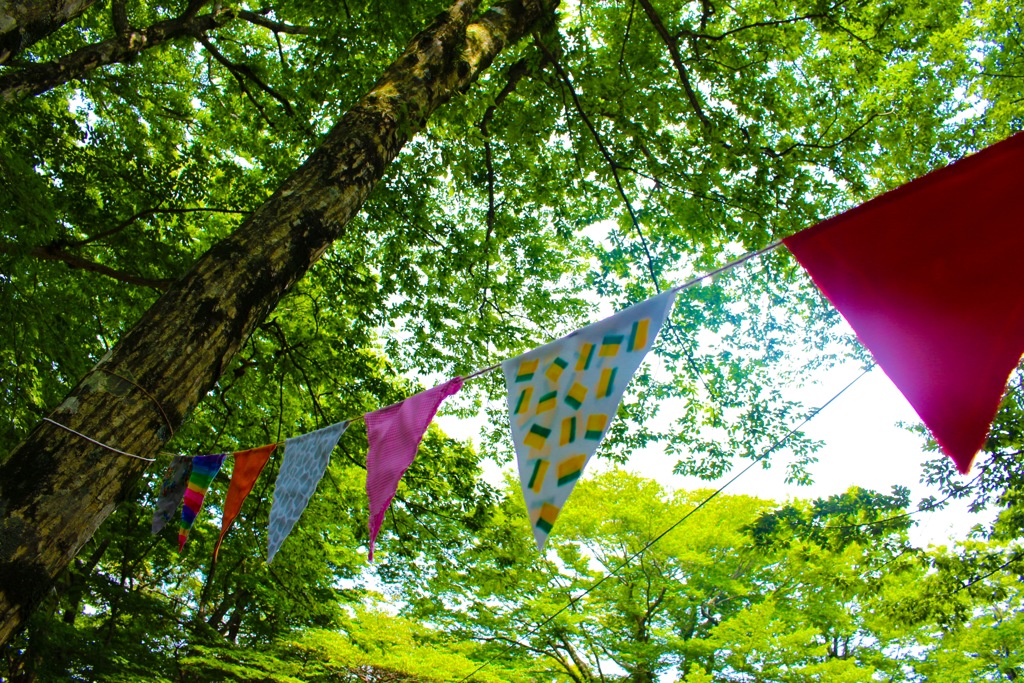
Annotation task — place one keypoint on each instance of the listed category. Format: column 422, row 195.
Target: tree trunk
column 57, row 487
column 23, row 22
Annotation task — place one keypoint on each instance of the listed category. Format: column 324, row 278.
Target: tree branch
column 747, row 27
column 53, row 253
column 36, row 79
column 193, row 7
column 280, row 52
column 553, row 653
column 119, row 16
column 625, row 35
column 139, row 216
column 515, row 74
column 581, row 666
column 1016, row 556
column 677, row 60
column 612, row 164
column 830, row 145
column 275, row 26
column 241, row 72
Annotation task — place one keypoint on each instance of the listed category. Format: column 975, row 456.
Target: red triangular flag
column 248, row 466
column 930, row 278
column 394, row 434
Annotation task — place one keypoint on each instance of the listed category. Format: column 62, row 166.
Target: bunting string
column 880, row 264
column 914, row 302
column 623, row 339
column 728, row 266
column 926, row 507
column 678, row 288
column 473, row 375
column 98, row 443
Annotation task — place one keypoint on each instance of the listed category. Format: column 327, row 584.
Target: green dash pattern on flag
column 562, row 397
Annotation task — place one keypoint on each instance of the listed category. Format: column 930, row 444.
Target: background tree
column 744, row 589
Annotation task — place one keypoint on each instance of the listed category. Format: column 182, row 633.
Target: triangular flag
column 305, row 461
column 248, row 466
column 204, row 469
column 562, row 396
column 171, row 491
column 394, row 434
column 929, row 277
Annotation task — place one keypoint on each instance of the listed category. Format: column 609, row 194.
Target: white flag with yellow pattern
column 562, row 396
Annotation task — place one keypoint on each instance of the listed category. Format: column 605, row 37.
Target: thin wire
column 920, row 508
column 678, row 288
column 482, row 371
column 664, row 533
column 1016, row 556
column 98, row 443
column 728, row 266
column 150, row 396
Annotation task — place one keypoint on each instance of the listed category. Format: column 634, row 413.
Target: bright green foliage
column 475, row 247
column 988, row 646
column 965, row 615
column 999, row 87
column 707, row 597
column 371, row 647
column 742, row 590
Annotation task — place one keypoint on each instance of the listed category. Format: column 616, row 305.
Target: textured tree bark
column 23, row 22
column 56, row 488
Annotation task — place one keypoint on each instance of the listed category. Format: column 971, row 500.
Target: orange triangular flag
column 929, row 277
column 248, row 466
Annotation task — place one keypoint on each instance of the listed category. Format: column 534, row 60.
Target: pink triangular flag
column 394, row 434
column 928, row 275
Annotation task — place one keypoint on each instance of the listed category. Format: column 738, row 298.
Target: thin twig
column 52, row 253
column 515, row 74
column 242, row 73
column 612, row 164
column 625, row 35
column 677, row 60
column 756, row 24
column 1016, row 556
column 275, row 26
column 143, row 214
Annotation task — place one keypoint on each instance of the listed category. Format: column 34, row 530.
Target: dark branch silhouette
column 36, row 79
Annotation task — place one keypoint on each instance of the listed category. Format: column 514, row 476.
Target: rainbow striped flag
column 204, row 469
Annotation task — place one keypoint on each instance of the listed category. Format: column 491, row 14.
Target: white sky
column 863, row 447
